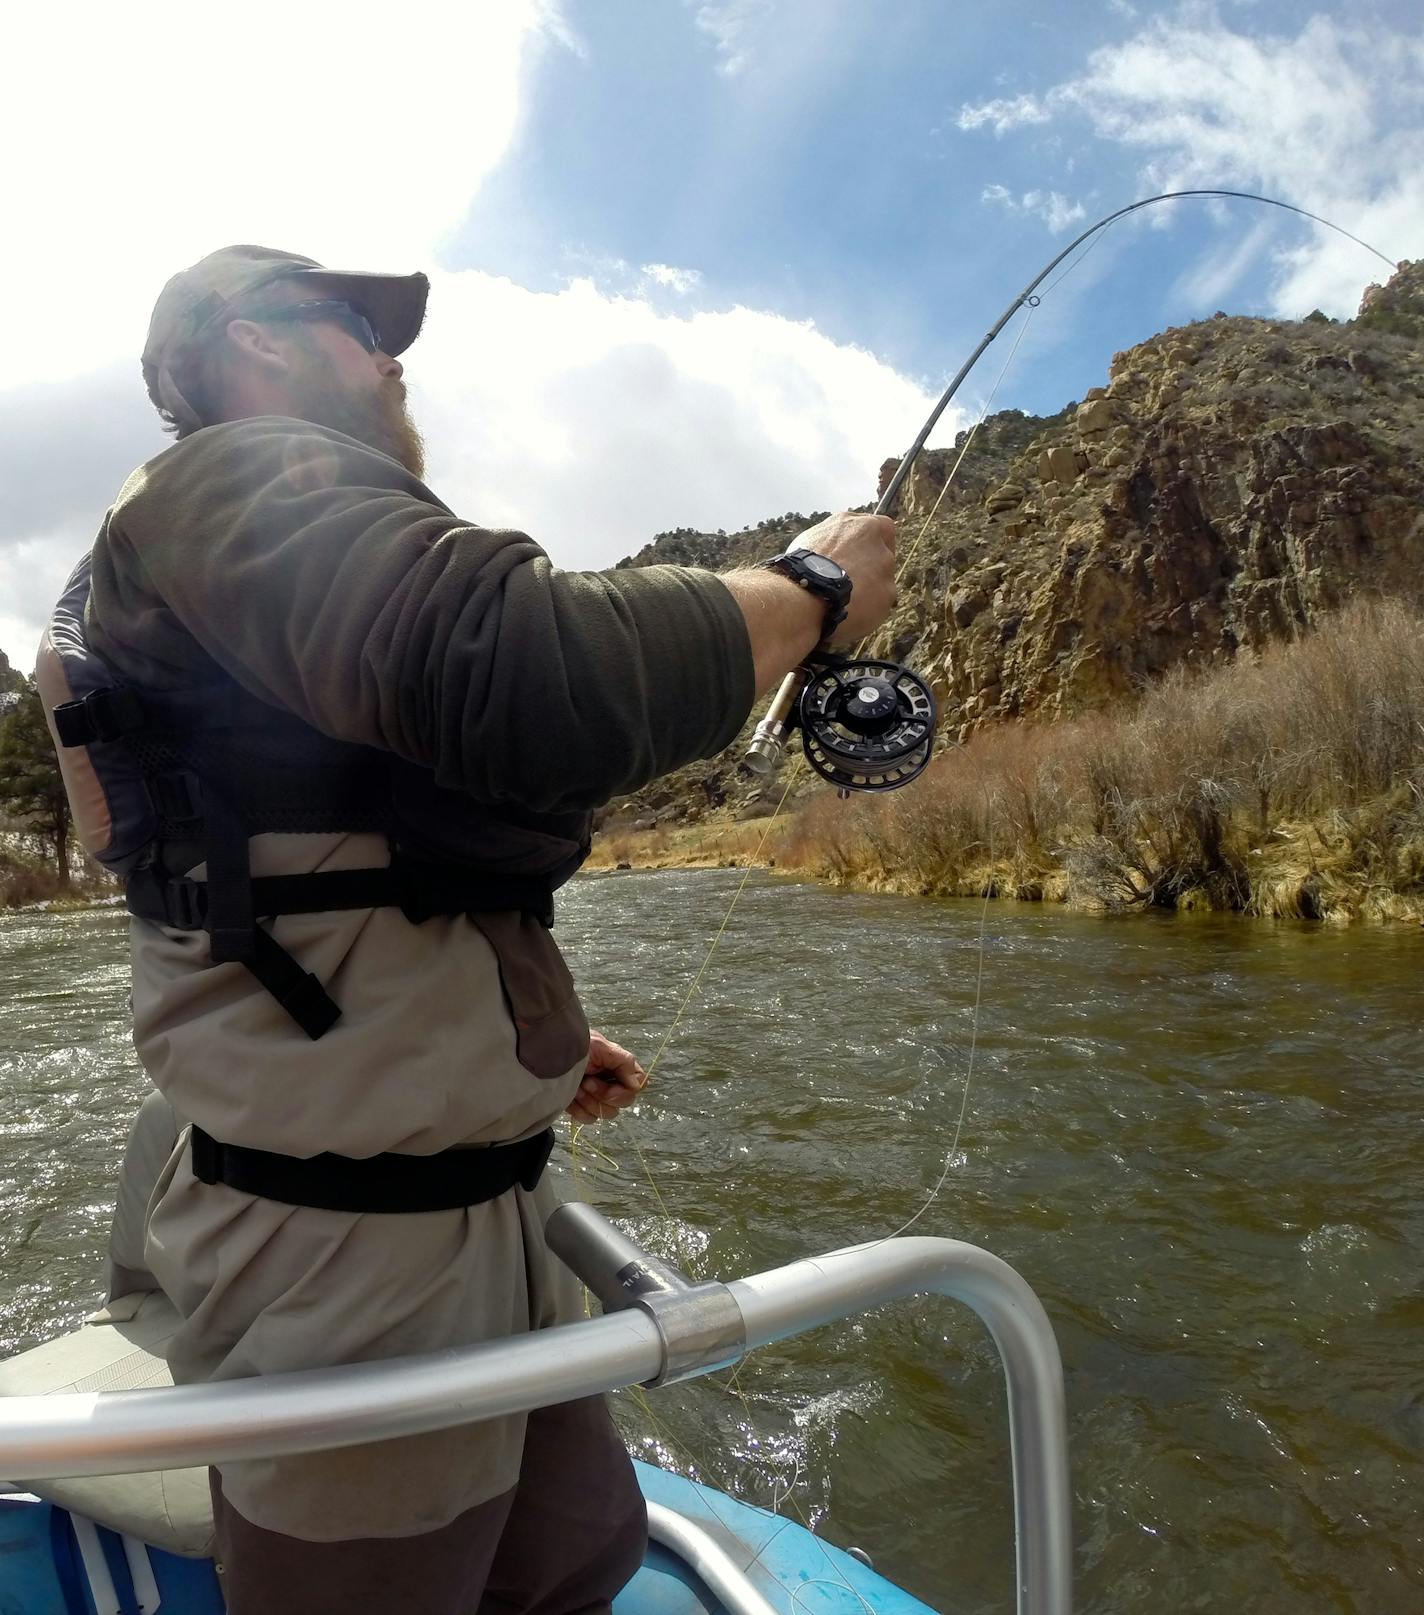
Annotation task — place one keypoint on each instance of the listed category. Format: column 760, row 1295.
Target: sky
column 693, row 264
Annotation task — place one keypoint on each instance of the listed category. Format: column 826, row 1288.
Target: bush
column 1290, row 782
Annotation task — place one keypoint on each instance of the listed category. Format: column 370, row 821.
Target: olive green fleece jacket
column 330, row 582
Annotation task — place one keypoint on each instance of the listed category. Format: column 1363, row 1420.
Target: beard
column 380, row 418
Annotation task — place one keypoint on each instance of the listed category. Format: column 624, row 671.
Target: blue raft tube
column 108, row 1512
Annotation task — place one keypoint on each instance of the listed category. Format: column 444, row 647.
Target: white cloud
column 1211, row 278
column 732, row 25
column 590, row 420
column 680, row 281
column 1056, row 211
column 138, row 140
column 1004, row 114
column 1328, row 119
column 594, row 421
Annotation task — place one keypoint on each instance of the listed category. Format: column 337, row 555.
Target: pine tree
column 31, row 788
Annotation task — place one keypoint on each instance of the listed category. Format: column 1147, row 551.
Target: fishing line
column 973, row 433
column 754, row 861
column 779, row 1497
column 1026, row 298
column 953, row 1149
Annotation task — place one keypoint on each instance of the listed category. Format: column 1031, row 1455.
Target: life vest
column 159, row 782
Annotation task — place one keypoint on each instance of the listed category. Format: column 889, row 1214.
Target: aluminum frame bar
column 697, row 1549
column 118, row 1432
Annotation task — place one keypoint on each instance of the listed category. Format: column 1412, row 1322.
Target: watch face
column 822, row 567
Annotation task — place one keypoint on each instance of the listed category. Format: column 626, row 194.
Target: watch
column 819, row 575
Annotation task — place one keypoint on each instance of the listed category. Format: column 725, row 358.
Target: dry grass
column 713, row 844
column 25, row 880
column 28, row 874
column 1289, row 784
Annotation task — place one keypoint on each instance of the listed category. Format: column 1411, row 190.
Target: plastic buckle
column 412, row 895
column 114, row 712
column 176, row 796
column 186, row 904
column 534, row 1170
column 73, row 724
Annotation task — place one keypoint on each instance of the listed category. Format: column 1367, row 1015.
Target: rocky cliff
column 1232, row 483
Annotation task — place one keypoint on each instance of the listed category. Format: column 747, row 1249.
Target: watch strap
column 836, row 596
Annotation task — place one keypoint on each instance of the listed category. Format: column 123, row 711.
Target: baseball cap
column 196, row 297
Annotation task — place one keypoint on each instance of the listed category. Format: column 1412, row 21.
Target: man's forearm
column 784, row 622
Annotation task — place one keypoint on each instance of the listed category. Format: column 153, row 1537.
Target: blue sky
column 814, row 157
column 694, row 262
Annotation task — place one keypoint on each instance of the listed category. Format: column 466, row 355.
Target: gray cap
column 196, row 298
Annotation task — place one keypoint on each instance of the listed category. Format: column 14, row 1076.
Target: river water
column 1198, row 1137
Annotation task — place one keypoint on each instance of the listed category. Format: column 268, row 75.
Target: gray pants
column 564, row 1541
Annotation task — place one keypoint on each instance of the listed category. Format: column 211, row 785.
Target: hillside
column 1234, row 482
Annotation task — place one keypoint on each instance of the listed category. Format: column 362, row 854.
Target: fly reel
column 866, row 725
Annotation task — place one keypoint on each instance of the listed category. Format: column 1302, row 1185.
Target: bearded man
column 371, row 734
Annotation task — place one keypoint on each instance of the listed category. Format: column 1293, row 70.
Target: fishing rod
column 869, row 725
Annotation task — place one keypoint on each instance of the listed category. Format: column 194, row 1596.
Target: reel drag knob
column 870, row 706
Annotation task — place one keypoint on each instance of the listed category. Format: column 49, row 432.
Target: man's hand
column 612, row 1079
column 784, row 622
column 865, row 547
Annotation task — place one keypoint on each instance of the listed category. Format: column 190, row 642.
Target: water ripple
column 1197, row 1137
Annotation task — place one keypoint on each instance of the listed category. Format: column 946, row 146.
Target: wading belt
column 377, row 1183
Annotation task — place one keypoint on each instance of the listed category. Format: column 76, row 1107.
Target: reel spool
column 867, row 725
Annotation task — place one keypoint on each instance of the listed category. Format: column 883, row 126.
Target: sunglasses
column 351, row 319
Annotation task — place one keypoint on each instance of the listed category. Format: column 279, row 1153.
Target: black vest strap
column 227, row 904
column 420, row 891
column 379, row 1183
column 299, row 992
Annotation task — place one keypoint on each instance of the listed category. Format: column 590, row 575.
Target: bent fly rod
column 869, row 725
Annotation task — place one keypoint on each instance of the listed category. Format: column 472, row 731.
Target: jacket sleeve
column 329, row 582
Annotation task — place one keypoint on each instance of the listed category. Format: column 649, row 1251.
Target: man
column 385, row 727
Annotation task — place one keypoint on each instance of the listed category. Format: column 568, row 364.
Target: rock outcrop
column 11, row 679
column 1235, row 481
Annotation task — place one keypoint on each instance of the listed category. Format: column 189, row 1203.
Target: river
column 1198, row 1137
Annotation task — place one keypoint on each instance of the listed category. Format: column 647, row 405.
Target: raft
column 54, row 1562
column 105, row 1507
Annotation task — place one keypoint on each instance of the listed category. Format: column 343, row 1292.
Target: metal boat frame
column 659, row 1328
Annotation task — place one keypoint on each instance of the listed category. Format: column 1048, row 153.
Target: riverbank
column 1291, row 878
column 29, row 882
column 708, row 844
column 1287, row 786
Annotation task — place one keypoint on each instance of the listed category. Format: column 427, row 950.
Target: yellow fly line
column 733, row 1382
column 754, row 861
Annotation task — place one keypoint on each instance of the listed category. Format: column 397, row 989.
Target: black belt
column 378, row 1183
